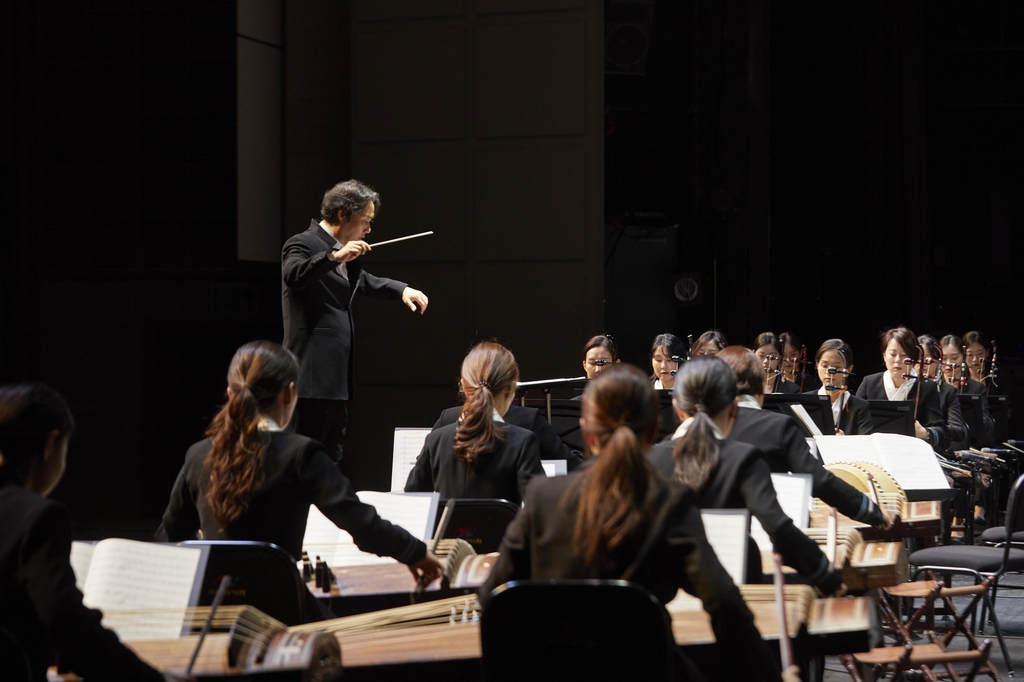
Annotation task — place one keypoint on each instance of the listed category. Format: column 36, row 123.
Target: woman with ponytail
column 249, row 479
column 593, row 523
column 730, row 474
column 480, row 455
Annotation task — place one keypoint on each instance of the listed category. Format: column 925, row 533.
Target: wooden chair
column 924, row 657
column 592, row 630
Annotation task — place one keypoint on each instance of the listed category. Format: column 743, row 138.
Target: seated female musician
column 598, row 353
column 850, row 414
column 794, row 362
column 663, row 349
column 708, row 343
column 480, row 455
column 768, row 349
column 782, row 442
column 939, row 420
column 249, row 479
column 731, row 474
column 41, row 610
column 976, row 351
column 954, row 367
column 593, row 522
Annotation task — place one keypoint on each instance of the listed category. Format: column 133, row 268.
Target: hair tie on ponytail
column 700, row 407
column 484, row 384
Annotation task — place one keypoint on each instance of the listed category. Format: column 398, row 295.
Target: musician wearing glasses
column 850, row 414
column 781, row 441
column 939, row 421
column 598, row 353
column 321, row 272
column 593, row 523
column 41, row 610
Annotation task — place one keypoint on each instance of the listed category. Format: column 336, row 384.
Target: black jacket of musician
column 785, row 449
column 938, row 410
column 529, row 418
column 317, row 305
column 297, row 473
column 41, row 610
column 742, row 480
column 538, row 545
column 855, row 417
column 502, row 474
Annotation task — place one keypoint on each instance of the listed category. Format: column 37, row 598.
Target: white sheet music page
column 726, row 530
column 414, row 512
column 835, row 449
column 910, row 461
column 408, row 445
column 794, row 494
column 130, row 575
column 555, row 467
column 81, row 557
column 801, row 413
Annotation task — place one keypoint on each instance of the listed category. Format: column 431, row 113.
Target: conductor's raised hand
column 351, row 250
column 428, row 568
column 415, row 299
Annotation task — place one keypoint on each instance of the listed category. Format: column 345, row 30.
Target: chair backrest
column 14, row 661
column 481, row 523
column 590, row 630
column 263, row 576
column 1014, row 517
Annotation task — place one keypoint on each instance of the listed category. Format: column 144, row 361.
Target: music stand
column 565, row 418
column 970, row 408
column 819, row 407
column 999, row 408
column 893, row 416
column 480, row 522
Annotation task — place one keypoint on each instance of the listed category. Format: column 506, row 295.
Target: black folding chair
column 981, row 562
column 591, row 630
column 480, row 522
column 264, row 576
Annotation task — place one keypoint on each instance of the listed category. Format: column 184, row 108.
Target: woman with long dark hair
column 593, row 522
column 731, row 474
column 850, row 414
column 249, row 479
column 480, row 455
column 41, row 610
column 939, row 421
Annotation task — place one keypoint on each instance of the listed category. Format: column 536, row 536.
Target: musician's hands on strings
column 887, row 519
column 415, row 299
column 791, row 674
column 839, row 432
column 351, row 250
column 428, row 568
column 920, row 431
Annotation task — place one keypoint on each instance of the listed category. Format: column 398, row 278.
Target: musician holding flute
column 321, row 272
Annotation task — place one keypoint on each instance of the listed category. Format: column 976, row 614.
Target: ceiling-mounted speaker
column 627, row 36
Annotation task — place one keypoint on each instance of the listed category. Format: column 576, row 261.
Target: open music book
column 414, row 512
column 408, row 445
column 909, row 460
column 726, row 530
column 125, row 575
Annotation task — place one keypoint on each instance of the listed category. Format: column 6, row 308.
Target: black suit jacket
column 317, row 305
column 39, row 604
column 785, row 450
column 297, row 473
column 938, row 410
column 742, row 480
column 855, row 417
column 529, row 418
column 502, row 474
column 988, row 422
column 538, row 545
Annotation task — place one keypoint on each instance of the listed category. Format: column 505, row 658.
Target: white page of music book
column 555, row 467
column 794, row 494
column 408, row 445
column 81, row 557
column 801, row 413
column 415, row 512
column 128, row 575
column 907, row 459
column 726, row 530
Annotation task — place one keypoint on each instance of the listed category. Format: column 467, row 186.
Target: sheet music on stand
column 555, row 467
column 726, row 530
column 801, row 413
column 909, row 460
column 415, row 512
column 407, row 447
column 794, row 494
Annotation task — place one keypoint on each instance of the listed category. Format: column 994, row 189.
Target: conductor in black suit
column 321, row 272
